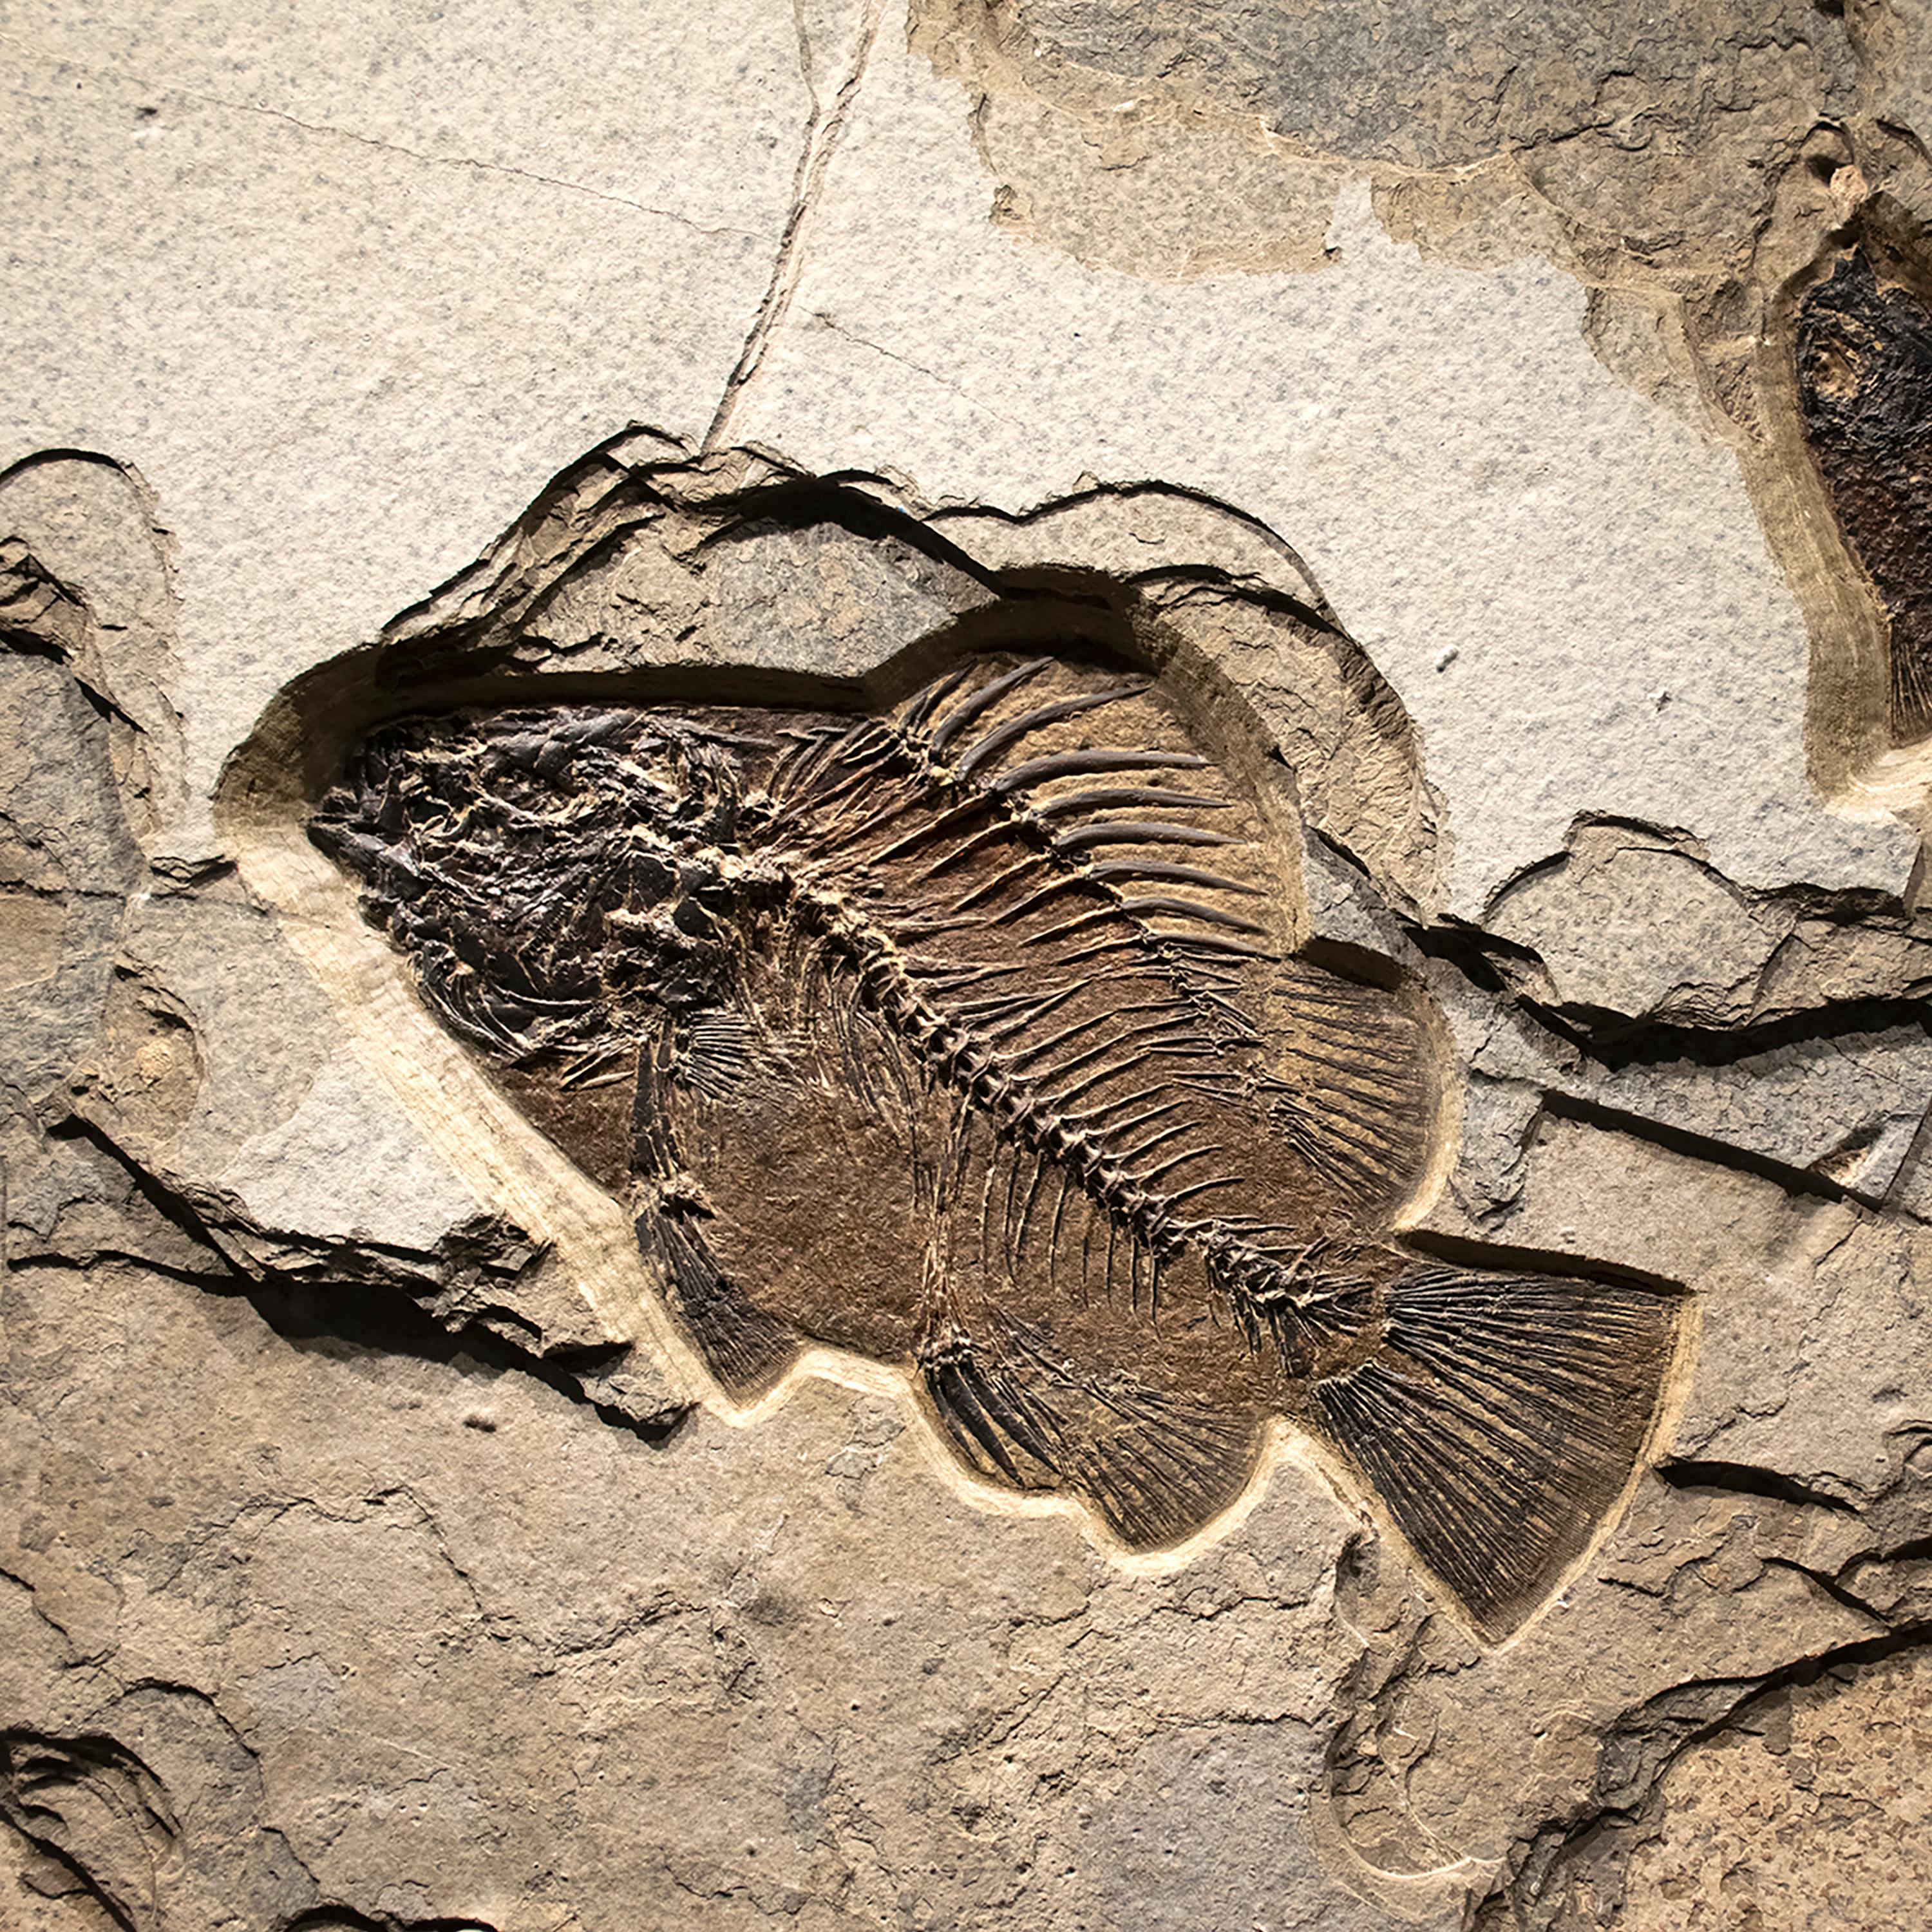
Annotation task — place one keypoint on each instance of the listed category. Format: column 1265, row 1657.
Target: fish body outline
column 972, row 1037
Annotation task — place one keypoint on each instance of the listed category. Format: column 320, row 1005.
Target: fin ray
column 1500, row 1421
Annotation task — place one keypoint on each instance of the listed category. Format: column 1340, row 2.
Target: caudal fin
column 1500, row 1420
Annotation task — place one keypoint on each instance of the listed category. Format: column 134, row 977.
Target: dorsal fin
column 1037, row 734
column 980, row 702
column 984, row 750
column 1130, row 802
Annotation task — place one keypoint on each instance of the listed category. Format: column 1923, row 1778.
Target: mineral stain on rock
column 1186, row 137
column 1864, row 376
column 967, row 1036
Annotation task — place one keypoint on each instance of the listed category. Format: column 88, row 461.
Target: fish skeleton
column 971, row 1036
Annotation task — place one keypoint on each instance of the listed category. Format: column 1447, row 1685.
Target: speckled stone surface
column 375, row 1554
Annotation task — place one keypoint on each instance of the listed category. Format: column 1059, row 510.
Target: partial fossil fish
column 1863, row 355
column 970, row 1038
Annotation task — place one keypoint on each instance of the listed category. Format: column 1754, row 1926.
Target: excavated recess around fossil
column 315, row 1620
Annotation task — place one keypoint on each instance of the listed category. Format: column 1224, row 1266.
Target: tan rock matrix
column 966, row 968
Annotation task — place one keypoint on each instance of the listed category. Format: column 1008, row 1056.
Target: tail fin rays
column 1500, row 1421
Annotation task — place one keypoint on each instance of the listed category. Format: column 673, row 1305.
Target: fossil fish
column 1864, row 354
column 969, row 1037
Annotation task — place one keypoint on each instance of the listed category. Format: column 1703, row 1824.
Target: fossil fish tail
column 1497, row 1416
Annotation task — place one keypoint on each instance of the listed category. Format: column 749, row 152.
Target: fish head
column 554, row 875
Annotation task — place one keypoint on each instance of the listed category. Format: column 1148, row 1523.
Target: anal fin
column 1155, row 1468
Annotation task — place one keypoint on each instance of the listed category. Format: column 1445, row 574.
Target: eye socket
column 691, row 920
column 651, row 881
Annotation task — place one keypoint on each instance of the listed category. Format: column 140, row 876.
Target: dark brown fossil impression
column 967, row 1035
column 1864, row 383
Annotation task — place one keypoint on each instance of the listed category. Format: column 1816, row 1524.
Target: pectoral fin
column 747, row 1350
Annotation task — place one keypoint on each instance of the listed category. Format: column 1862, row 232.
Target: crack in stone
column 932, row 375
column 361, row 1302
column 823, row 129
column 1638, row 1753
column 1747, row 1480
column 168, row 90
